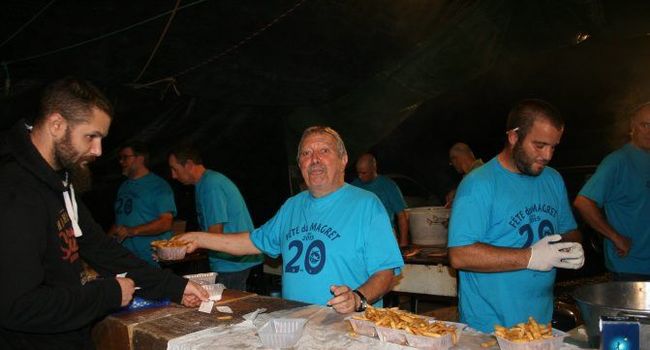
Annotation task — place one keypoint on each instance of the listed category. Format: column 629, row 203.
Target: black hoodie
column 43, row 304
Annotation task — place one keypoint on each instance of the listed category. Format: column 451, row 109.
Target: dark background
column 403, row 79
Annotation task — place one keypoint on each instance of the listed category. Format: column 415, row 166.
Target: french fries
column 402, row 320
column 488, row 344
column 525, row 332
column 167, row 244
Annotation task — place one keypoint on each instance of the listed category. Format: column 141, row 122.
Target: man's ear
column 56, row 125
column 513, row 137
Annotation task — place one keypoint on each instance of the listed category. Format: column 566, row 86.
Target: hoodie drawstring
column 71, row 208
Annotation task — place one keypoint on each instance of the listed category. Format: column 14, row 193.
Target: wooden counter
column 153, row 328
column 180, row 328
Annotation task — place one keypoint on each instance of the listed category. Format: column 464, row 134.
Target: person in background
column 507, row 222
column 144, row 207
column 336, row 241
column 220, row 208
column 46, row 230
column 463, row 160
column 621, row 188
column 387, row 191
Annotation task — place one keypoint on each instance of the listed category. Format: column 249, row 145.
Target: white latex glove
column 546, row 255
column 574, row 263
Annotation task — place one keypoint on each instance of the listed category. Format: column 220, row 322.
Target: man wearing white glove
column 511, row 226
column 547, row 254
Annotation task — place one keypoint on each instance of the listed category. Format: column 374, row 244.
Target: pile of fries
column 402, row 320
column 525, row 332
column 167, row 244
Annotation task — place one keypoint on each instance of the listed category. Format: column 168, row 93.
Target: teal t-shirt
column 218, row 201
column 500, row 208
column 388, row 192
column 342, row 238
column 141, row 201
column 621, row 185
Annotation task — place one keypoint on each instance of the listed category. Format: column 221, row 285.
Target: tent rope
column 27, row 23
column 223, row 53
column 51, row 52
column 160, row 39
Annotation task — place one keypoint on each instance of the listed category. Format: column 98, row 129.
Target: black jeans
column 234, row 280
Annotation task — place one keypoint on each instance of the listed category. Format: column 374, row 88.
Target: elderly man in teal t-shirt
column 621, row 187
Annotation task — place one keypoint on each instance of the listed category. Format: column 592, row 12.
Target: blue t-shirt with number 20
column 140, row 201
column 504, row 209
column 338, row 239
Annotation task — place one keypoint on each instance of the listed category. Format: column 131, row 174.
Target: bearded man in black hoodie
column 45, row 230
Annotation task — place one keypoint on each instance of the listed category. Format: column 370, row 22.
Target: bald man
column 462, row 159
column 616, row 202
column 387, row 191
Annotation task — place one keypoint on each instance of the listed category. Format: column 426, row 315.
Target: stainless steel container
column 614, row 299
column 428, row 225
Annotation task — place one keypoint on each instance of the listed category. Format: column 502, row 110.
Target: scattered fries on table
column 489, row 343
column 402, row 320
column 525, row 332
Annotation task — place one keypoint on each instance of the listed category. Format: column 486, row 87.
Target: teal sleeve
column 267, row 237
column 602, row 185
column 566, row 221
column 470, row 213
column 164, row 200
column 397, row 202
column 381, row 249
column 214, row 206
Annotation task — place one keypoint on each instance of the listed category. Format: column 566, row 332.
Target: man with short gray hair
column 336, row 241
column 621, row 189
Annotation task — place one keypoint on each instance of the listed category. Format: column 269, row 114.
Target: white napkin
column 249, row 318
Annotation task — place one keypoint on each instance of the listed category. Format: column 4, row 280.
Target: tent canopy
column 403, row 79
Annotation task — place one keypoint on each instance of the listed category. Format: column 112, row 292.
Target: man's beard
column 523, row 162
column 69, row 159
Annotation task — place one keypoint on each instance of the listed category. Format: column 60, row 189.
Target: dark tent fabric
column 404, row 79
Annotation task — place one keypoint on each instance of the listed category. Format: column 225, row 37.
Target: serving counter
column 174, row 327
column 154, row 328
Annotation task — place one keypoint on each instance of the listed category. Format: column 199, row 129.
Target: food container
column 391, row 335
column 614, row 299
column 554, row 343
column 215, row 290
column 436, row 343
column 169, row 250
column 428, row 225
column 171, row 253
column 203, row 278
column 282, row 332
column 363, row 327
column 430, row 343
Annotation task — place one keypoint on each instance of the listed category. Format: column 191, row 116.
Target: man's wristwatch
column 364, row 302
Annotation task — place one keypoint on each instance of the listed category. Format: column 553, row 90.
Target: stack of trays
column 203, row 278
